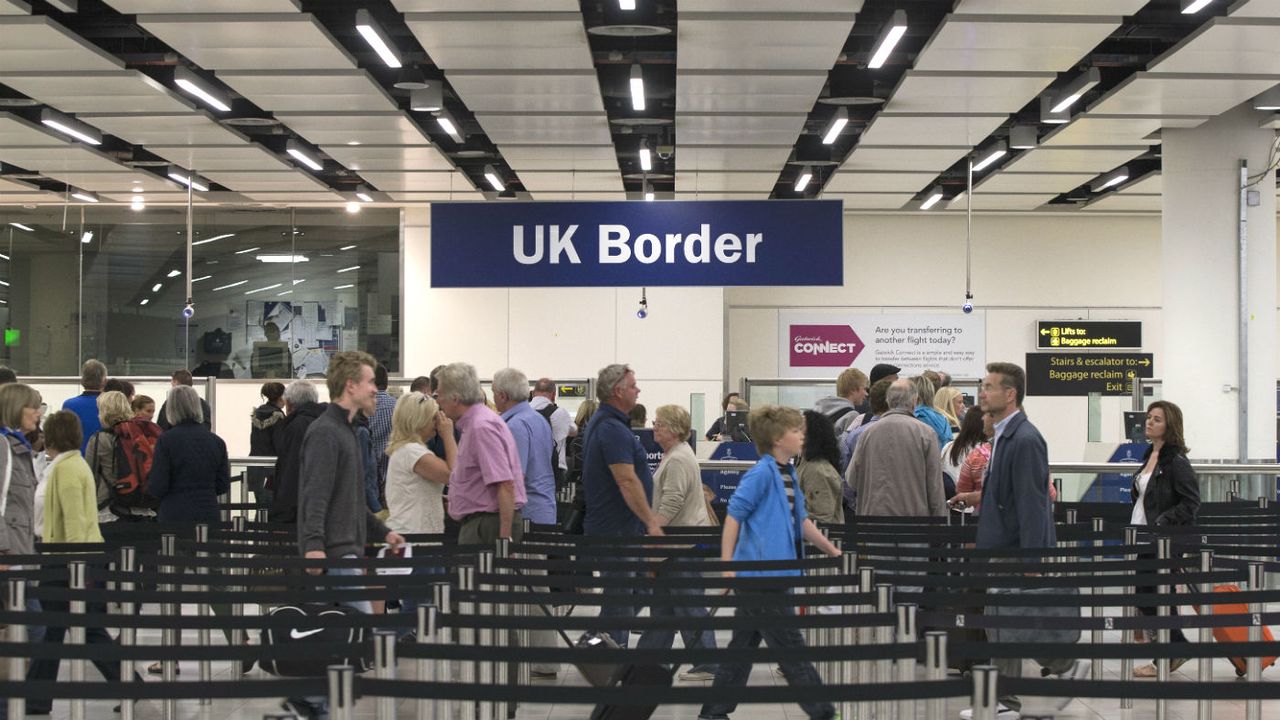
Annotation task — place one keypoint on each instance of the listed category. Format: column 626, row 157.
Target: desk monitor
column 735, row 426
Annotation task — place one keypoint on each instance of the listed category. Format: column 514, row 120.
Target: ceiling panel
column 459, row 195
column 139, row 7
column 198, row 128
column 98, row 91
column 871, row 200
column 406, row 6
column 250, row 41
column 702, row 195
column 372, row 128
column 846, row 181
column 702, row 129
column 561, row 157
column 693, row 182
column 558, row 129
column 1094, row 129
column 1256, row 8
column 1125, row 202
column 755, row 91
column 206, row 158
column 905, row 158
column 1001, row 201
column 1226, row 45
column 389, row 157
column 120, row 181
column 15, row 186
column 771, row 6
column 173, row 198
column 992, row 42
column 503, row 41
column 14, row 7
column 296, row 197
column 762, row 41
column 310, row 90
column 929, row 129
column 731, row 157
column 548, row 181
column 28, row 198
column 1051, row 7
column 61, row 157
column 575, row 91
column 17, row 131
column 38, row 43
column 1150, row 184
column 419, row 181
column 1013, row 182
column 246, row 181
column 966, row 93
column 1163, row 94
column 582, row 196
column 1075, row 159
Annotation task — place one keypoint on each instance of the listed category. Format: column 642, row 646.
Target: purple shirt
column 486, row 456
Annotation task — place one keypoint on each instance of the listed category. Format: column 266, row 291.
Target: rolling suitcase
column 631, row 676
column 1238, row 634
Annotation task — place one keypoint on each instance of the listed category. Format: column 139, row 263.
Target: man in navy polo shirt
column 615, row 474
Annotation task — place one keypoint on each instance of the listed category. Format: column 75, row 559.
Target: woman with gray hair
column 190, row 469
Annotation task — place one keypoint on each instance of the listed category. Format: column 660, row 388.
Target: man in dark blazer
column 1016, row 511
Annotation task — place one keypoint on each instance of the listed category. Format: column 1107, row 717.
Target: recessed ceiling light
column 286, row 292
column 303, row 155
column 837, row 124
column 215, row 237
column 353, row 142
column 282, row 258
column 637, row 87
column 1194, row 6
column 806, row 175
column 20, row 226
column 174, row 273
column 988, row 156
column 68, row 125
column 428, row 99
column 261, row 289
column 934, row 196
column 144, row 301
column 191, row 180
column 449, row 126
column 342, row 287
column 353, row 207
column 347, row 247
column 137, row 189
column 86, row 237
column 84, row 195
column 491, row 175
column 349, row 269
column 247, row 250
column 1075, row 90
column 156, row 287
column 193, row 84
column 626, row 4
column 1110, row 180
column 202, row 277
column 889, row 38
column 646, row 157
column 234, row 284
column 373, row 34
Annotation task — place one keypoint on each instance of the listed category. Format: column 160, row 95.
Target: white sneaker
column 1002, row 713
column 1078, row 671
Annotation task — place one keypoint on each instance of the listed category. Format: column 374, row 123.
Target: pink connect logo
column 824, row 345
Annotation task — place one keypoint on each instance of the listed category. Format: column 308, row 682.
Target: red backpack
column 135, row 451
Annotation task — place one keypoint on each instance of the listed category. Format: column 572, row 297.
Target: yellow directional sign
column 1086, row 334
column 1073, row 374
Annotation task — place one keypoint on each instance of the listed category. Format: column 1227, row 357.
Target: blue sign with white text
column 621, row 244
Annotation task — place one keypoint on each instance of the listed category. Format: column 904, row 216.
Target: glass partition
column 802, row 394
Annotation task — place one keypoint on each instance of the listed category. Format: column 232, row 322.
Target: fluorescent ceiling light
column 648, row 192
column 68, row 125
column 174, row 273
column 1048, row 116
column 1075, row 90
column 138, row 204
column 269, row 287
column 68, row 6
column 1269, row 100
column 286, row 292
column 353, row 207
column 247, row 250
column 299, row 281
column 1194, row 6
column 20, row 226
column 215, row 237
column 1110, row 180
column 1023, row 137
column 193, row 84
column 933, row 197
column 889, row 38
column 363, row 193
column 989, row 156
column 302, row 155
column 282, row 258
column 3, row 256
column 137, row 189
column 626, row 4
column 202, row 277
column 450, row 128
column 349, row 269
column 637, row 87
column 347, row 247
column 86, row 237
column 646, row 157
column 4, row 283
column 373, row 34
column 837, row 124
column 144, row 301
column 188, row 178
column 342, row 287
column 492, row 176
column 234, row 284
column 428, row 99
column 806, row 175
column 156, row 287
column 84, row 195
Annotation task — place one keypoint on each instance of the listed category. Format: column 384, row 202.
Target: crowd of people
column 367, row 468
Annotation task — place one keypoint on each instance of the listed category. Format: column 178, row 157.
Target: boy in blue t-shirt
column 765, row 521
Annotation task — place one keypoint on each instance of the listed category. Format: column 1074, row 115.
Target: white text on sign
column 615, row 245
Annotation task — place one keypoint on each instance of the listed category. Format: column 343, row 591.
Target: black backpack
column 556, row 451
column 303, row 632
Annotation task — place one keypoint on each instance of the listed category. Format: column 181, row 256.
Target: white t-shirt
column 416, row 503
column 1139, row 516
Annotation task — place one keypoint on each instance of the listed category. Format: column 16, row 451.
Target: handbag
column 302, row 632
column 1030, row 634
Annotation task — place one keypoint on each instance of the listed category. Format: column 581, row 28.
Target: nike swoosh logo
column 299, row 635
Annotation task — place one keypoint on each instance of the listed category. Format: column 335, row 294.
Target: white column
column 1199, row 264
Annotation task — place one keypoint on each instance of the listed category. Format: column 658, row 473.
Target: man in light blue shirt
column 534, row 443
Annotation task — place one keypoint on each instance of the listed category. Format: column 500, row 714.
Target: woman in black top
column 264, row 434
column 1165, row 492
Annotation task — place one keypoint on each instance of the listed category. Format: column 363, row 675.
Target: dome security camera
column 967, row 307
column 189, row 311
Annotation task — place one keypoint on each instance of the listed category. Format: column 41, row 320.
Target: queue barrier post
column 428, row 670
column 1126, row 664
column 16, row 601
column 1164, row 550
column 203, row 638
column 986, row 696
column 884, row 668
column 907, row 666
column 341, row 692
column 1233, row 493
column 503, row 669
column 238, row 638
column 1095, row 636
column 467, row 635
column 128, row 635
column 935, row 660
column 384, row 668
column 169, row 637
column 1204, row 671
column 1263, row 502
column 867, row 668
column 76, row 632
column 487, row 638
column 442, row 598
column 1257, row 581
column 848, row 637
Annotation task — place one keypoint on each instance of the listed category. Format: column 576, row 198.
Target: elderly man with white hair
column 534, row 443
column 897, row 466
column 486, row 486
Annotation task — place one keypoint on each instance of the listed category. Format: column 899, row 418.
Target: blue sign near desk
column 634, row 244
column 724, row 482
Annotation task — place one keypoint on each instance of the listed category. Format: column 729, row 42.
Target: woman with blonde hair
column 114, row 409
column 950, row 402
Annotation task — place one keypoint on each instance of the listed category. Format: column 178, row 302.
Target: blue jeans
column 663, row 639
column 321, row 702
column 35, row 634
column 624, row 611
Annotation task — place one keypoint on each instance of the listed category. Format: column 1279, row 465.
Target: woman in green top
column 71, row 500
